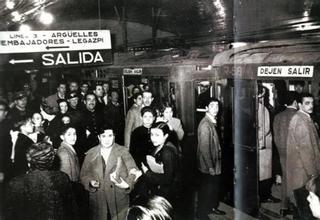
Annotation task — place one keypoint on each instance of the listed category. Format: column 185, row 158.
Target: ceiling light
column 16, row 16
column 46, row 18
column 10, row 4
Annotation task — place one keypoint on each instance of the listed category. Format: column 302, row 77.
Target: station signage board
column 55, row 48
column 132, row 71
column 285, row 71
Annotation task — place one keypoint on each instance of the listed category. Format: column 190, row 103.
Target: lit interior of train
column 183, row 109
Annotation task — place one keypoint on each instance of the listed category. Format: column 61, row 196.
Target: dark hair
column 135, row 95
column 40, row 155
column 299, row 82
column 65, row 128
column 163, row 126
column 147, row 91
column 212, row 99
column 291, row 97
column 136, row 87
column 313, row 185
column 61, row 83
column 84, row 83
column 105, row 127
column 148, row 109
column 90, row 93
column 23, row 121
column 304, row 95
column 155, row 207
column 164, row 106
column 97, row 84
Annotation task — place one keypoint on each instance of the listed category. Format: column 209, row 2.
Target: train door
column 129, row 82
column 203, row 91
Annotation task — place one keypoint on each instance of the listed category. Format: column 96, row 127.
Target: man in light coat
column 303, row 156
column 108, row 179
column 280, row 131
column 209, row 162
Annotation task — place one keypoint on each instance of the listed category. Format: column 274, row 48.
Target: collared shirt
column 213, row 119
column 291, row 107
column 105, row 153
column 304, row 113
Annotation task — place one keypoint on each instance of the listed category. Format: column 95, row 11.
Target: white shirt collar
column 304, row 113
column 70, row 147
column 213, row 119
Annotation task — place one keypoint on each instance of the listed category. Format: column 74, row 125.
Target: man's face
column 63, row 107
column 3, row 113
column 147, row 119
column 21, row 103
column 167, row 113
column 90, row 102
column 105, row 87
column 114, row 97
column 213, row 108
column 73, row 102
column 84, row 88
column 62, row 89
column 73, row 86
column 106, row 138
column 306, row 105
column 37, row 119
column 98, row 91
column 147, row 98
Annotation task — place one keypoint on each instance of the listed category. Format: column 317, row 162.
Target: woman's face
column 70, row 136
column 314, row 204
column 157, row 137
column 138, row 100
column 37, row 119
column 106, row 138
column 167, row 113
column 147, row 119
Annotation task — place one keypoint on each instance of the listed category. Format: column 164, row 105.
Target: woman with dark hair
column 140, row 144
column 160, row 172
column 313, row 186
column 41, row 193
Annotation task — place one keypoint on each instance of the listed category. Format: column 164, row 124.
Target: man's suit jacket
column 209, row 150
column 303, row 156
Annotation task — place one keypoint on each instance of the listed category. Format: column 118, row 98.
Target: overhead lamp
column 25, row 27
column 10, row 4
column 16, row 16
column 46, row 18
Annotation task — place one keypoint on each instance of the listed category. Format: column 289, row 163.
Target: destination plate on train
column 285, row 71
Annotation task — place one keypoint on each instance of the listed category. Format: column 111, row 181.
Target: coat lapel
column 112, row 160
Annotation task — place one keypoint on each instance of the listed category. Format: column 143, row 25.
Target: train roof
column 292, row 51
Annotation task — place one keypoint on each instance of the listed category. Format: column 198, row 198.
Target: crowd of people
column 74, row 155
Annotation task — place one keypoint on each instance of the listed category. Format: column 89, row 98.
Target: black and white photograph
column 159, row 109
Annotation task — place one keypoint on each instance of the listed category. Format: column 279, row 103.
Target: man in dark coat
column 20, row 109
column 209, row 162
column 280, row 131
column 303, row 155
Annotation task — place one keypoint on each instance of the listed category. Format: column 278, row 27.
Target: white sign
column 135, row 71
column 50, row 41
column 285, row 71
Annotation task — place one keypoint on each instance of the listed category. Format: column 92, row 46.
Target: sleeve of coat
column 306, row 147
column 85, row 174
column 168, row 160
column 130, row 164
column 64, row 162
column 276, row 131
column 179, row 130
column 204, row 144
column 128, row 128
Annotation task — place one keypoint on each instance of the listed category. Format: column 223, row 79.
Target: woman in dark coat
column 160, row 174
column 41, row 193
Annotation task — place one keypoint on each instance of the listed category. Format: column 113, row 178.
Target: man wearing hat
column 20, row 110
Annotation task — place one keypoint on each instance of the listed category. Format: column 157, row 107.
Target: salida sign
column 56, row 48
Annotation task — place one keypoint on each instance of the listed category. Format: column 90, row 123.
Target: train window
column 299, row 86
